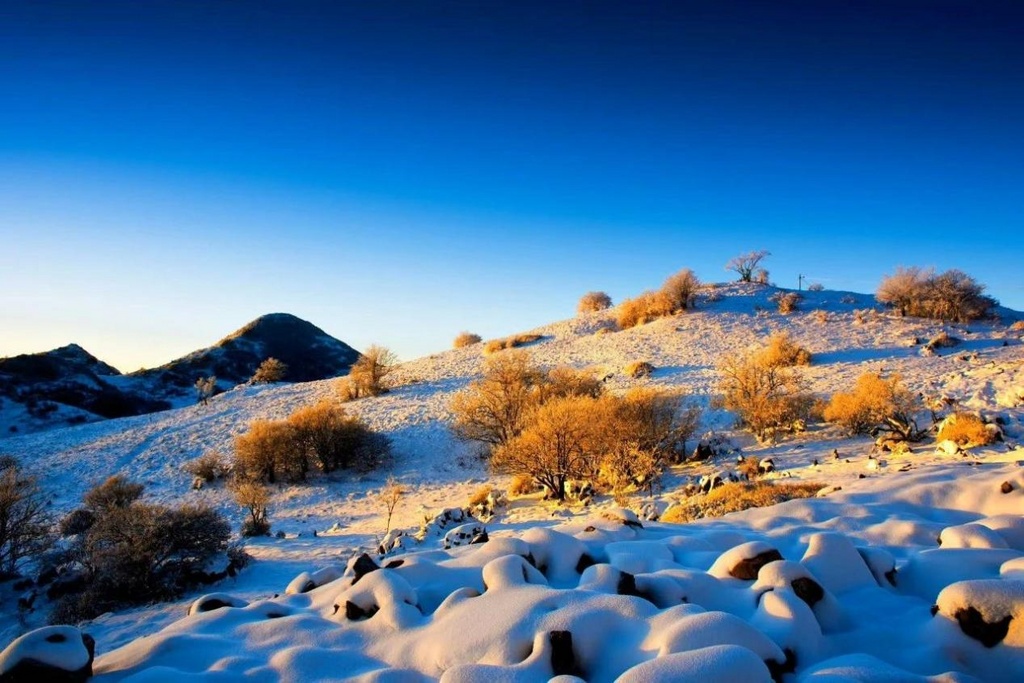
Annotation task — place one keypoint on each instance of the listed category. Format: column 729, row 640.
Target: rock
column 465, row 535
column 766, row 465
column 984, row 609
column 974, row 625
column 214, row 601
column 744, row 561
column 563, row 659
column 1006, row 487
column 52, row 654
column 363, row 566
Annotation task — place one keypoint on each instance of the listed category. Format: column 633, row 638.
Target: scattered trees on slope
column 952, row 295
column 368, row 375
column 25, row 525
column 271, row 370
column 768, row 398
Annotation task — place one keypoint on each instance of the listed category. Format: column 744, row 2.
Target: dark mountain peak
column 309, row 352
column 76, row 355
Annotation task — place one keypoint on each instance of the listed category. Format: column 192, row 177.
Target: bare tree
column 25, row 524
column 270, row 370
column 388, row 497
column 254, row 498
column 744, row 265
column 493, row 409
column 767, row 397
column 368, row 374
column 205, row 386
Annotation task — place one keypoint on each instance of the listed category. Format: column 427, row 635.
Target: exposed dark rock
column 354, row 612
column 363, row 565
column 563, row 659
column 747, row 569
column 31, row 670
column 584, row 562
column 808, row 590
column 1006, row 487
column 974, row 625
column 394, row 564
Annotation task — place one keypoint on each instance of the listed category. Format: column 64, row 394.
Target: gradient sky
column 396, row 172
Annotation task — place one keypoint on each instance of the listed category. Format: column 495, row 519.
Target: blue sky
column 397, row 172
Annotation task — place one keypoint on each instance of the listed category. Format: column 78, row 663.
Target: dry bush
column 522, row 485
column 388, row 498
column 787, row 302
column 556, row 447
column 268, row 451
column 271, row 370
column 680, row 290
column 331, row 439
column 749, row 468
column 816, row 287
column 737, row 496
column 205, row 388
column 479, row 496
column 877, row 404
column 645, row 308
column 821, row 316
column 24, row 520
column 368, row 375
column 782, row 351
column 638, row 368
column 942, row 341
column 464, row 339
column 594, row 301
column 768, row 399
column 744, row 265
column 966, row 430
column 495, row 345
column 1017, row 326
column 254, row 498
column 209, row 466
column 761, row 277
column 952, row 295
column 493, row 409
column 138, row 552
column 116, row 492
column 564, row 381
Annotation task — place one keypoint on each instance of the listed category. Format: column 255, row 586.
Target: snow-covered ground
column 485, row 612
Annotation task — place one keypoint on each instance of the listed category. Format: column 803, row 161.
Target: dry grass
column 966, row 429
column 209, row 467
column 479, row 496
column 787, row 302
column 942, row 341
column 645, row 308
column 782, row 352
column 522, row 485
column 495, row 345
column 733, row 497
column 638, row 368
column 465, row 339
column 821, row 316
column 1018, row 326
column 750, row 467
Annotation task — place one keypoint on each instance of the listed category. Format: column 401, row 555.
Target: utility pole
column 800, row 283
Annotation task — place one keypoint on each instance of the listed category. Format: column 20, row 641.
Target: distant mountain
column 70, row 376
column 309, row 352
column 70, row 385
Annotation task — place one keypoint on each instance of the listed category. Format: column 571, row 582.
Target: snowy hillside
column 641, row 599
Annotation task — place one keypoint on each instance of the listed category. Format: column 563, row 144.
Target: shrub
column 1017, row 326
column 269, row 450
column 952, row 295
column 464, row 339
column 942, row 341
column 333, row 439
column 254, row 498
column 781, row 351
column 787, row 302
column 877, row 404
column 492, row 410
column 205, row 389
column 368, row 374
column 209, row 467
column 141, row 552
column 117, row 492
column 645, row 308
column 750, row 468
column 563, row 381
column 767, row 398
column 679, row 290
column 816, row 287
column 761, row 276
column 522, row 485
column 77, row 522
column 388, row 498
column 495, row 345
column 594, row 301
column 271, row 370
column 480, row 496
column 638, row 368
column 737, row 496
column 744, row 265
column 24, row 520
column 966, row 430
column 555, row 448
column 821, row 316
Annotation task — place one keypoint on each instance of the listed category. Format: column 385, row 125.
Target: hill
column 69, row 386
column 309, row 352
column 656, row 590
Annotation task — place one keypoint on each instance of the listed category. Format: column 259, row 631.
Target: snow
column 642, row 600
column 58, row 646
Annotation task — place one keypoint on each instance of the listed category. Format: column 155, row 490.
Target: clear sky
column 396, row 172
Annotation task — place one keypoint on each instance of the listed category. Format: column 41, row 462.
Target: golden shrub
column 465, row 339
column 594, row 301
column 782, row 351
column 522, row 485
column 737, row 496
column 966, row 430
column 638, row 368
column 645, row 308
column 876, row 402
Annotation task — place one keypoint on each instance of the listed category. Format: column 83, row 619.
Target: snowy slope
column 899, row 507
